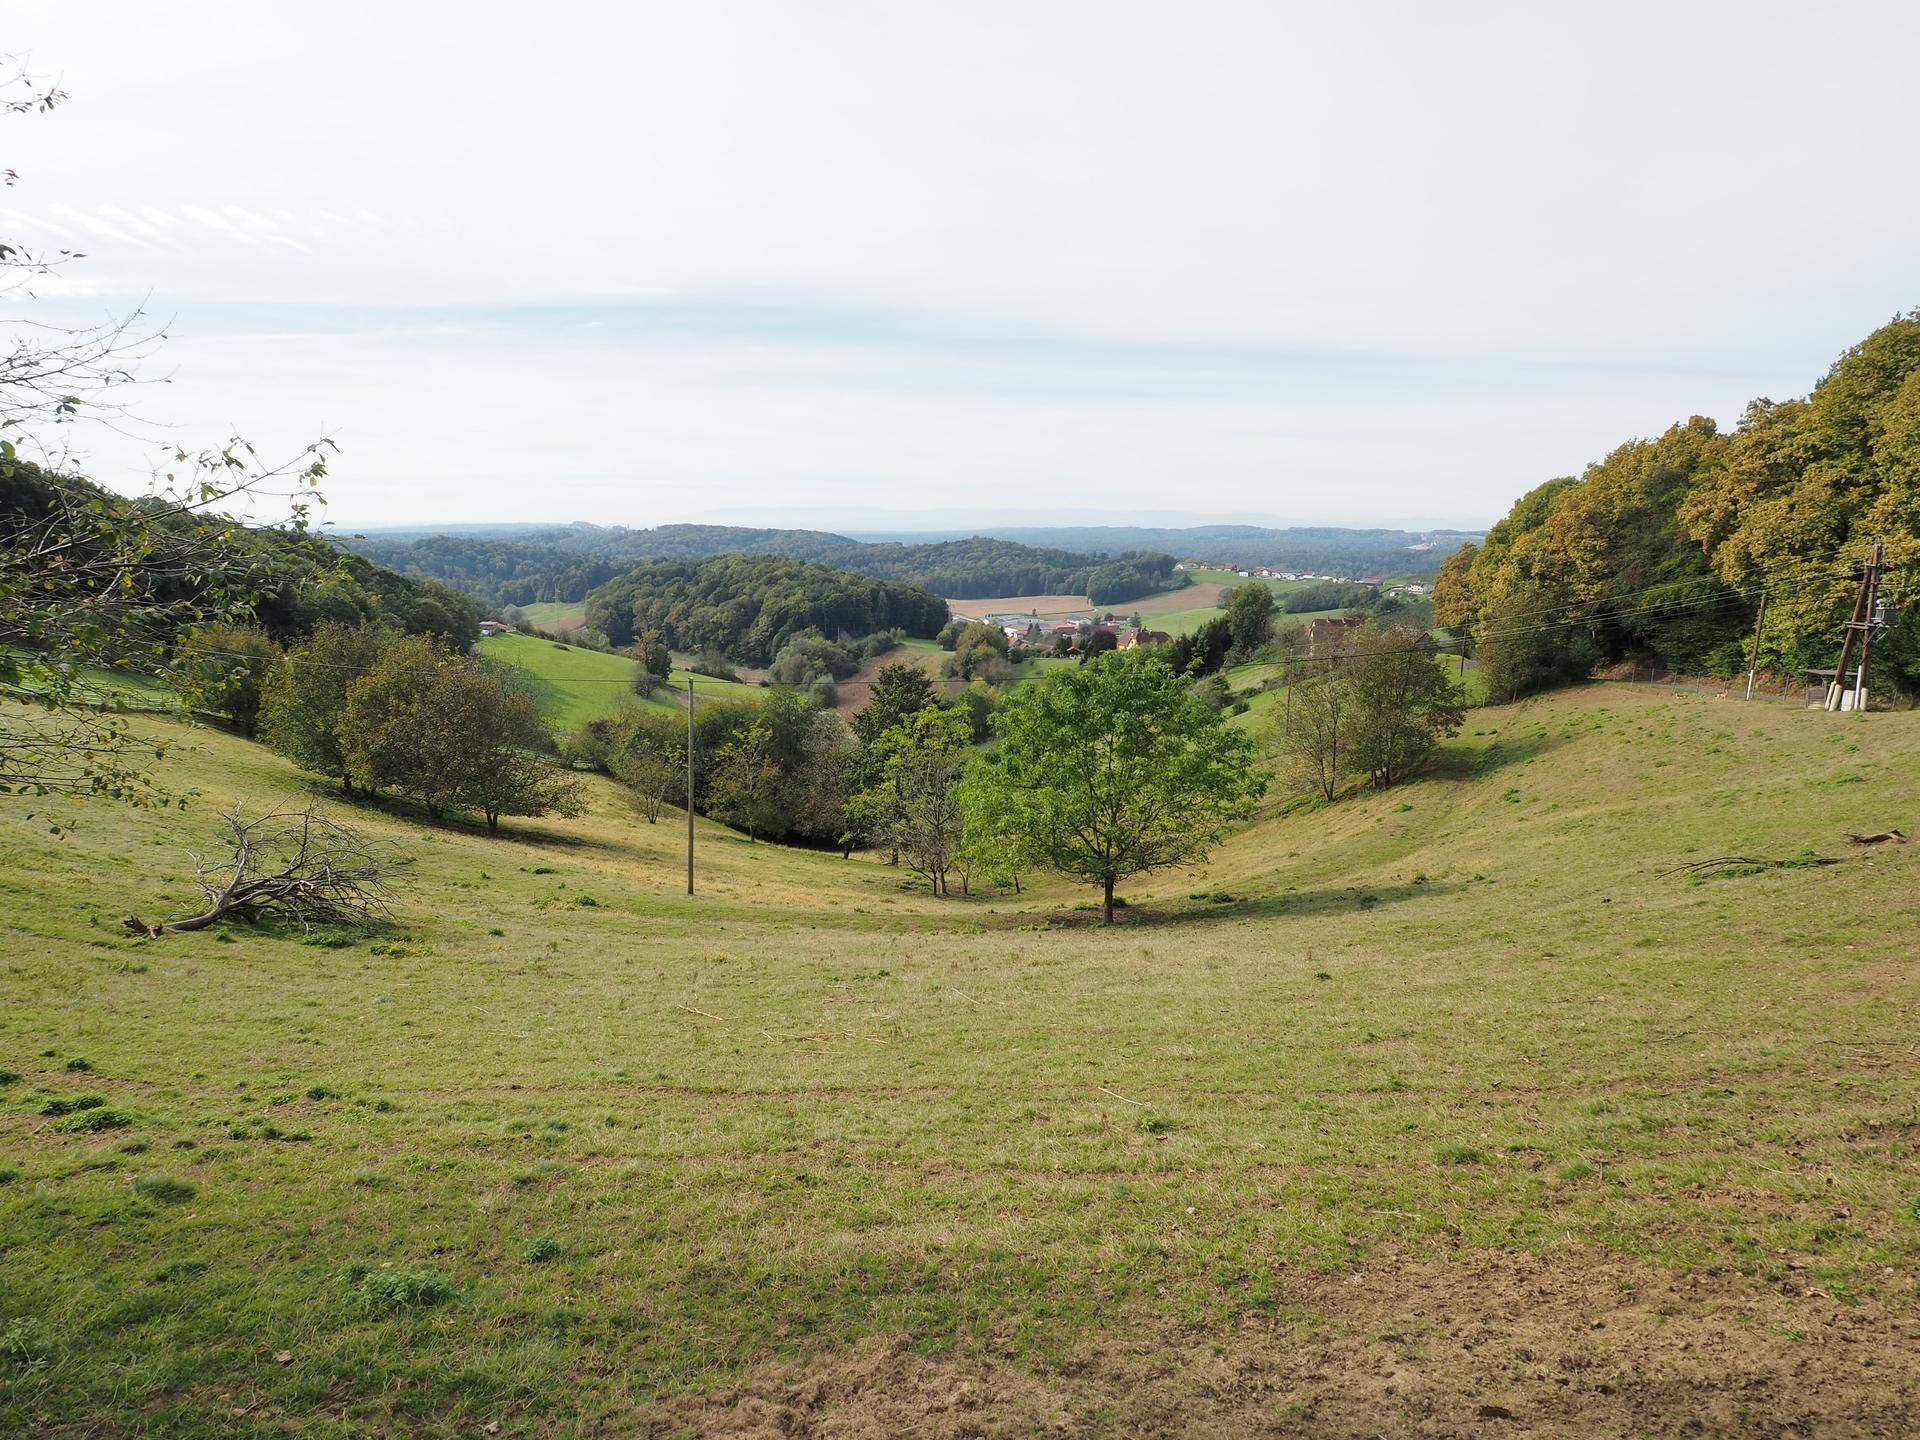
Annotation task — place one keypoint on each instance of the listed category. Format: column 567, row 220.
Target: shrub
column 9, row 1077
column 79, row 1066
column 541, row 1249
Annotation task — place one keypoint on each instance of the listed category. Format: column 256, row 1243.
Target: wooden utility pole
column 1866, row 626
column 689, row 796
column 1857, row 624
column 1753, row 661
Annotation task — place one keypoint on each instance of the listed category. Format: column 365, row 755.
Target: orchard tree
column 507, row 771
column 979, row 652
column 1404, row 702
column 306, row 696
column 225, row 668
column 912, row 807
column 652, row 653
column 744, row 788
column 1316, row 732
column 1114, row 769
column 401, row 727
column 452, row 733
column 648, row 755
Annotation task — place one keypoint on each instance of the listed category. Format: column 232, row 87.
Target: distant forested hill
column 749, row 606
column 565, row 562
column 1330, row 548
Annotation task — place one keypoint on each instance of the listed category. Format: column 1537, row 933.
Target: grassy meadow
column 563, row 1151
column 556, row 616
column 573, row 685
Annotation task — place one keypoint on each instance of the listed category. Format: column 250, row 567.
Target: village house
column 1144, row 636
column 494, row 627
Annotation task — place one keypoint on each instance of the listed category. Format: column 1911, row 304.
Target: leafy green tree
column 1316, row 732
column 979, row 652
column 647, row 753
column 507, row 769
column 744, row 791
column 1404, row 702
column 306, row 696
column 1114, row 769
column 401, row 728
column 451, row 733
column 899, row 690
column 1520, row 654
column 1250, row 616
column 654, row 656
column 809, row 658
column 224, row 668
column 912, row 806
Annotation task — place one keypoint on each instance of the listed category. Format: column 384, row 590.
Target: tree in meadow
column 306, row 696
column 1115, row 769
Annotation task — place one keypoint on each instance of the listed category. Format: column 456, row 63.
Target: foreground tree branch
column 294, row 865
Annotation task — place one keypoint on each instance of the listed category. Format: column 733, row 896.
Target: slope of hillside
column 574, row 685
column 811, row 1150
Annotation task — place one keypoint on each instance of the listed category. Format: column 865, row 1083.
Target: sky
column 872, row 265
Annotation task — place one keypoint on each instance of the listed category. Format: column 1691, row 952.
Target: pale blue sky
column 820, row 262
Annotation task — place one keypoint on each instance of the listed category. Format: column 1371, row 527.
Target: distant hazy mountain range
column 1306, row 547
column 524, row 563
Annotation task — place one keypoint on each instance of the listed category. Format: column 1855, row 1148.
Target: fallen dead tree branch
column 294, row 865
column 1747, row 865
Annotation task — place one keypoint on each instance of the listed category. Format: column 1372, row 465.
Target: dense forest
column 565, row 562
column 748, row 606
column 1662, row 549
column 294, row 580
column 1331, row 549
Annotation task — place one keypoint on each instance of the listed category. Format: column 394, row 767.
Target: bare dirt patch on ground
column 850, row 695
column 1193, row 597
column 1048, row 607
column 1515, row 1345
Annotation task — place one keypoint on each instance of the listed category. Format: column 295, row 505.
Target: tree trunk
column 493, row 822
column 1107, row 901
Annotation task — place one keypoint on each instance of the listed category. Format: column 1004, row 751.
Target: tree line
column 567, row 563
column 749, row 607
column 1661, row 550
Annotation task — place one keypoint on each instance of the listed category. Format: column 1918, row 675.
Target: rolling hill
column 809, row 1149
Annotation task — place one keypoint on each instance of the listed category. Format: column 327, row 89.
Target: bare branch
column 293, row 865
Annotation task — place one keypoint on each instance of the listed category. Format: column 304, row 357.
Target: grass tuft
column 388, row 1290
column 165, row 1189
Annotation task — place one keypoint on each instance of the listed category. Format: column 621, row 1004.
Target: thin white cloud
column 1655, row 187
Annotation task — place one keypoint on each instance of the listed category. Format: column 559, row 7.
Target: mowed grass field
column 574, row 685
column 556, row 616
column 1443, row 1110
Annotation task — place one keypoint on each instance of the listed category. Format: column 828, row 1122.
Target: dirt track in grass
column 1562, row 1344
